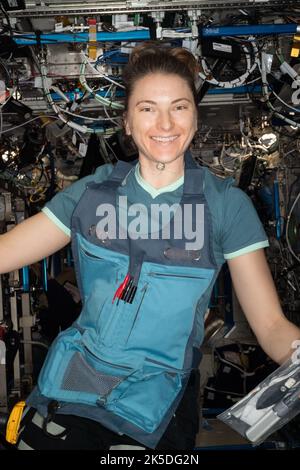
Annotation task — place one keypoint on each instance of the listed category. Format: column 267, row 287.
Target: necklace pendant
column 160, row 166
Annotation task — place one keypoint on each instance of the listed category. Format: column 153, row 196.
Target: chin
column 167, row 158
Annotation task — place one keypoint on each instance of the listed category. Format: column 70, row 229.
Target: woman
column 148, row 241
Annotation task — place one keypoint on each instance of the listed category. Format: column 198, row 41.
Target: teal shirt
column 236, row 227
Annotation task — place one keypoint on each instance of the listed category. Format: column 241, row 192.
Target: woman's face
column 161, row 117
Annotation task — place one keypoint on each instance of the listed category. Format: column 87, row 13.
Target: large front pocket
column 74, row 374
column 141, row 394
column 145, row 402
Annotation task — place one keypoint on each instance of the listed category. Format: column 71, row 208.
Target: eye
column 180, row 107
column 146, row 109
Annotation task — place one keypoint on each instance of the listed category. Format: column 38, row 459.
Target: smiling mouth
column 164, row 139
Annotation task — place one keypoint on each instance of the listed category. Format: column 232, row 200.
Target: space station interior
column 61, row 107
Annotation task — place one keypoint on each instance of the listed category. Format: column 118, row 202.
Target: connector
column 287, row 69
column 295, row 51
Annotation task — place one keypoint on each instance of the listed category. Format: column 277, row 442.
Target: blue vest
column 125, row 363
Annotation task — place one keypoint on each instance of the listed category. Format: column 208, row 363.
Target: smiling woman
column 162, row 125
column 125, row 375
column 161, row 112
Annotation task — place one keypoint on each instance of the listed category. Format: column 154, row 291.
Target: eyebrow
column 154, row 102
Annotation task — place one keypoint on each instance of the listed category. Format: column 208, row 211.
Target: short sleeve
column 242, row 230
column 61, row 207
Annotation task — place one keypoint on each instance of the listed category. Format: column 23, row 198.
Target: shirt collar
column 154, row 192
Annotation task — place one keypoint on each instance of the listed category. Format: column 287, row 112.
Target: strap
column 193, row 176
column 120, row 171
column 189, row 162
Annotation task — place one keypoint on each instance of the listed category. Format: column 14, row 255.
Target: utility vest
column 126, row 361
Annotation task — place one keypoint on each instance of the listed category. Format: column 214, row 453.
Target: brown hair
column 152, row 57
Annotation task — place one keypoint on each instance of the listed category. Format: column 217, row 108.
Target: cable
column 35, row 343
column 106, row 55
column 60, row 93
column 102, row 75
column 111, row 149
column 7, row 20
column 237, row 81
column 284, row 103
column 56, row 109
column 3, row 65
column 81, row 128
column 27, row 122
column 234, row 366
column 81, row 138
column 84, row 117
column 289, row 152
column 66, row 99
column 1, row 122
column 38, row 195
column 266, row 94
column 11, row 92
column 287, row 229
column 100, row 99
column 111, row 119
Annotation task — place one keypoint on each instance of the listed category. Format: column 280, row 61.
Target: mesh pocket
column 81, row 377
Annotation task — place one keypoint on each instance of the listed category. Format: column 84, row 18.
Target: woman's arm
column 33, row 239
column 257, row 295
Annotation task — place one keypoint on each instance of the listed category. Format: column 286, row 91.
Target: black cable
column 51, row 411
column 7, row 19
column 6, row 72
column 52, row 172
column 38, row 33
column 218, row 67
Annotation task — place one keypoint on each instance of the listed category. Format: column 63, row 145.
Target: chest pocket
column 165, row 317
column 100, row 272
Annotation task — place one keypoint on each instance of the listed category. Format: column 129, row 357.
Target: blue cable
column 277, row 209
column 25, row 278
column 59, row 38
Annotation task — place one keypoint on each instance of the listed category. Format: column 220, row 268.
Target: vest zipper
column 90, row 255
column 110, row 364
column 185, row 276
column 166, row 367
column 143, row 290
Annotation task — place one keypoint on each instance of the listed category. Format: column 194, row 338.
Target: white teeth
column 165, row 139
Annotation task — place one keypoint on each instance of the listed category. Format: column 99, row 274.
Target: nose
column 165, row 121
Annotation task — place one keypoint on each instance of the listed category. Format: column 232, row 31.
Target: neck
column 159, row 178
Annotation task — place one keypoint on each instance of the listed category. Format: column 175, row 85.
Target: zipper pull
column 101, row 401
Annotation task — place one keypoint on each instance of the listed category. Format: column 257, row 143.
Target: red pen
column 120, row 289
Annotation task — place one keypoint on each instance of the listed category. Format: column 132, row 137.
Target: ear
column 126, row 124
